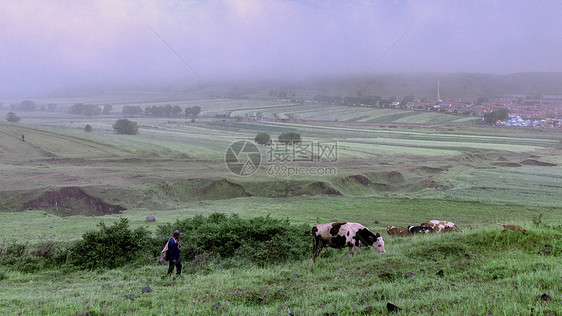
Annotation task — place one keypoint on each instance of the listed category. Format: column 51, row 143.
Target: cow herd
column 433, row 226
column 355, row 235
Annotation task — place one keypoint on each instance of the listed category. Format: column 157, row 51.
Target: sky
column 48, row 44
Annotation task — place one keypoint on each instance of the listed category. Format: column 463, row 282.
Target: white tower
column 438, row 96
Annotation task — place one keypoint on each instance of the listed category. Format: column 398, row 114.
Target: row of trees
column 162, row 110
column 93, row 110
column 373, row 101
column 90, row 109
column 30, row 106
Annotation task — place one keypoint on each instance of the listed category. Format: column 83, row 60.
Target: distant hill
column 452, row 85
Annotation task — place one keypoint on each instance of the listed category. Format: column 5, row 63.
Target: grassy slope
column 499, row 267
column 484, row 271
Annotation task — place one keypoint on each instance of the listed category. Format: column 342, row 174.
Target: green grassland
column 391, row 170
column 483, row 271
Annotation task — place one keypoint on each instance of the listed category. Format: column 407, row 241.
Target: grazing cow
column 397, row 231
column 512, row 227
column 442, row 226
column 420, row 229
column 343, row 234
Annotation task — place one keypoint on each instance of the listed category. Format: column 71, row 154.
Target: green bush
column 110, row 247
column 263, row 138
column 289, row 137
column 260, row 240
column 124, row 126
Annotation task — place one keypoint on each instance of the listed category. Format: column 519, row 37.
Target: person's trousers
column 174, row 263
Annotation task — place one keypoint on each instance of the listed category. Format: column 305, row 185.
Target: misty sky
column 46, row 44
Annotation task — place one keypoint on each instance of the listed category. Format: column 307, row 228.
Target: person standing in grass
column 173, row 253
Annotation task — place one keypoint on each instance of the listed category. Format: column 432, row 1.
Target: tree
column 289, row 137
column 132, row 110
column 150, row 110
column 84, row 109
column 107, row 108
column 88, row 128
column 126, row 127
column 192, row 111
column 407, row 99
column 27, row 106
column 497, row 115
column 12, row 117
column 481, row 100
column 263, row 138
column 176, row 110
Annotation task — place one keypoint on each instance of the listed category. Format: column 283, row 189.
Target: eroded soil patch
column 534, row 162
column 69, row 201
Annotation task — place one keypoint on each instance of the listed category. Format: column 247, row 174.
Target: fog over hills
column 419, row 85
column 47, row 46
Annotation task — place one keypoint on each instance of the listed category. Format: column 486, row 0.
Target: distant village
column 523, row 110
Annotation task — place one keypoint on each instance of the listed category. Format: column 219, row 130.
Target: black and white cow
column 420, row 229
column 343, row 234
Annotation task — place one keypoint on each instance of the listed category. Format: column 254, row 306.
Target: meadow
column 393, row 168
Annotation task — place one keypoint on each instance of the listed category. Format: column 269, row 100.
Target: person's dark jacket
column 173, row 250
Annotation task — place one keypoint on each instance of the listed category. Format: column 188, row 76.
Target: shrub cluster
column 110, row 247
column 85, row 109
column 126, row 127
column 222, row 240
column 260, row 240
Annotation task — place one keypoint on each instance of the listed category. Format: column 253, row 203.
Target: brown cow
column 512, row 227
column 442, row 226
column 343, row 234
column 397, row 231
